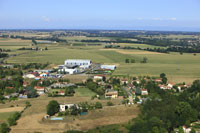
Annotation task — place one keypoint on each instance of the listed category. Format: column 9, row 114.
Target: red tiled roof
column 38, row 87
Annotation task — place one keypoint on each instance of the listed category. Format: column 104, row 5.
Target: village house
column 158, row 80
column 171, row 85
column 61, row 93
column 131, row 86
column 98, row 77
column 64, row 107
column 40, row 90
column 110, row 93
column 137, row 81
column 30, row 76
column 25, row 84
column 144, row 92
column 124, row 81
column 164, row 87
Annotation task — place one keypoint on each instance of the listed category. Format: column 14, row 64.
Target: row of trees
column 3, row 55
column 31, row 65
column 133, row 60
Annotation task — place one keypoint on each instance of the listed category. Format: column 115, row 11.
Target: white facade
column 64, row 107
column 72, row 62
column 70, row 71
column 98, row 77
column 29, row 76
column 110, row 67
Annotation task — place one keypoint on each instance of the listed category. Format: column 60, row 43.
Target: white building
column 30, row 76
column 64, row 107
column 70, row 70
column 144, row 92
column 76, row 62
column 110, row 67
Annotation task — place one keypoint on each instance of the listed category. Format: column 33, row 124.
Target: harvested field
column 31, row 120
column 11, row 109
column 33, row 123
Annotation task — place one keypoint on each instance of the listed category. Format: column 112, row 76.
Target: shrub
column 98, row 105
column 110, row 103
column 4, row 128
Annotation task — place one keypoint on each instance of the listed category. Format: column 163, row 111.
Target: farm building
column 108, row 67
column 110, row 93
column 75, row 62
column 70, row 69
column 43, row 71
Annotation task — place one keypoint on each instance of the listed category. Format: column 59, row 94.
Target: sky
column 176, row 15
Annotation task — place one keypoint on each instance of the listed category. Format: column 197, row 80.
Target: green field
column 84, row 92
column 178, row 68
column 5, row 115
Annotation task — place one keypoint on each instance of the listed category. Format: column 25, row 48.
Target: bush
column 98, row 105
column 110, row 103
column 28, row 104
column 4, row 128
column 12, row 120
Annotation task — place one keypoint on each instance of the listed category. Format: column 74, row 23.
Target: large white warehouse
column 76, row 62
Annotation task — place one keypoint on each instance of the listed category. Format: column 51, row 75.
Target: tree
column 164, row 80
column 52, row 107
column 144, row 60
column 98, row 105
column 162, row 75
column 34, row 42
column 127, row 61
column 192, row 130
column 11, row 121
column 195, row 86
column 132, row 60
column 185, row 113
column 28, row 104
column 32, row 93
column 104, row 79
column 155, row 130
column 4, row 128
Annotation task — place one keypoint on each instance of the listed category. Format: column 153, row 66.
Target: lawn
column 84, row 92
column 5, row 115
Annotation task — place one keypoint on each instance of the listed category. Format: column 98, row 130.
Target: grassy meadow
column 179, row 68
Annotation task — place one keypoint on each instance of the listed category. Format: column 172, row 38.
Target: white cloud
column 156, row 19
column 173, row 19
column 140, row 18
column 46, row 19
